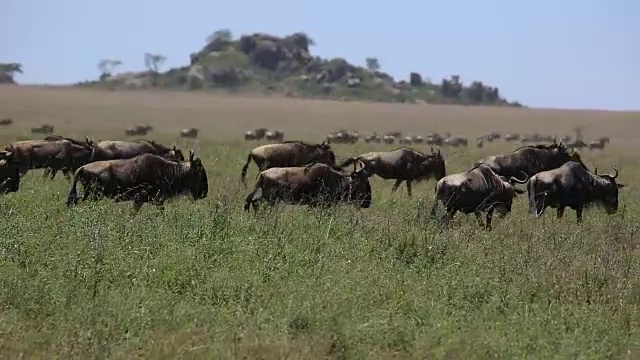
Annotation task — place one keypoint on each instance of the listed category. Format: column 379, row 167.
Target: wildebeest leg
column 579, row 214
column 560, row 212
column 434, row 207
column 139, row 199
column 408, row 182
column 489, row 217
column 396, row 185
column 479, row 218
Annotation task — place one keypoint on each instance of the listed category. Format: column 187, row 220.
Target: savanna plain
column 206, row 279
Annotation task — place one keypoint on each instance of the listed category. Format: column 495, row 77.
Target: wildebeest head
column 174, row 154
column 9, row 173
column 198, row 180
column 323, row 154
column 609, row 199
column 360, row 187
column 512, row 192
column 433, row 164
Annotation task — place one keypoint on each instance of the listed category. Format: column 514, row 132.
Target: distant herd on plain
column 297, row 172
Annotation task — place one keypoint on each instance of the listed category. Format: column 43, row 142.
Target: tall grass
column 206, row 279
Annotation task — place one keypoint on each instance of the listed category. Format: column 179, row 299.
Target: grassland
column 206, row 280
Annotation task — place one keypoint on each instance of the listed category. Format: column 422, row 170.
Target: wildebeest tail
column 72, row 199
column 243, row 175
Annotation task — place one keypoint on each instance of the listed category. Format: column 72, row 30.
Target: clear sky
column 562, row 53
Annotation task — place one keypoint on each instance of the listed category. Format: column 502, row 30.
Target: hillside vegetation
column 263, row 63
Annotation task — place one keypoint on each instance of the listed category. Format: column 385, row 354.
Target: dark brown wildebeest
column 6, row 121
column 403, row 164
column 257, row 134
column 42, row 129
column 475, row 191
column 288, row 154
column 572, row 185
column 57, row 155
column 274, row 135
column 599, row 143
column 456, row 141
column 530, row 159
column 316, row 185
column 144, row 178
column 9, row 173
column 189, row 133
column 139, row 130
column 88, row 143
column 115, row 149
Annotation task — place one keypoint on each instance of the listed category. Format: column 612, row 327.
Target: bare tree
column 107, row 67
column 154, row 62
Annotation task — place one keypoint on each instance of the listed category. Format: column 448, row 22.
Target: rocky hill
column 271, row 64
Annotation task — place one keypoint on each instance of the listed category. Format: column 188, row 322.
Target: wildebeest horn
column 616, row 175
column 191, row 155
column 595, row 171
column 362, row 165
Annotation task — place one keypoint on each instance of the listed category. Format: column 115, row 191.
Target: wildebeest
column 434, row 139
column 512, row 137
column 373, row 138
column 288, row 154
column 115, row 149
column 572, row 185
column 139, row 130
column 342, row 137
column 274, row 135
column 316, row 185
column 402, row 164
column 87, row 143
column 475, row 191
column 598, row 143
column 42, row 129
column 56, row 155
column 456, row 141
column 257, row 134
column 530, row 159
column 189, row 133
column 6, row 121
column 389, row 139
column 9, row 173
column 144, row 178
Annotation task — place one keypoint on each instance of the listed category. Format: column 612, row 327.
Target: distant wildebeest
column 389, row 139
column 6, row 121
column 138, row 130
column 572, row 185
column 598, row 143
column 373, row 138
column 434, row 139
column 456, row 141
column 274, row 135
column 403, row 164
column 87, row 143
column 512, row 137
column 43, row 154
column 577, row 144
column 288, row 154
column 257, row 134
column 475, row 191
column 491, row 137
column 42, row 129
column 144, row 178
column 530, row 159
column 342, row 137
column 115, row 149
column 316, row 185
column 189, row 133
column 479, row 143
column 406, row 140
column 9, row 173
column 565, row 139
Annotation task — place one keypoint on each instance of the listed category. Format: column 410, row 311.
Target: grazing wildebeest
column 288, row 154
column 88, row 143
column 257, row 134
column 456, row 141
column 373, row 138
column 572, row 185
column 577, row 144
column 389, row 139
column 406, row 140
column 599, row 143
column 139, row 130
column 342, row 137
column 512, row 137
column 475, row 191
column 274, row 135
column 530, row 159
column 42, row 129
column 316, row 185
column 9, row 173
column 115, row 149
column 434, row 139
column 6, row 121
column 189, row 133
column 57, row 155
column 144, row 178
column 403, row 164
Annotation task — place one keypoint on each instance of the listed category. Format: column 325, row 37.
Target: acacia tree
column 154, row 62
column 220, row 35
column 8, row 72
column 373, row 64
column 107, row 67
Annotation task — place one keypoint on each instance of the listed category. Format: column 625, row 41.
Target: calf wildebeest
column 403, row 164
column 475, row 191
column 6, row 121
column 9, row 173
column 139, row 130
column 288, row 154
column 88, row 143
column 274, row 135
column 57, row 155
column 144, row 178
column 42, row 129
column 115, row 149
column 572, row 185
column 189, row 133
column 257, row 134
column 316, row 185
column 530, row 159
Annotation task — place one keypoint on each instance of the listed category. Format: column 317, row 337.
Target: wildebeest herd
column 297, row 172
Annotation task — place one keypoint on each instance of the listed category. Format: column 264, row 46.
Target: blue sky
column 563, row 53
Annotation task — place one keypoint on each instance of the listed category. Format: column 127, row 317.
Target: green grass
column 207, row 280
